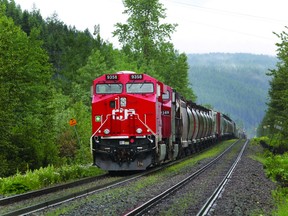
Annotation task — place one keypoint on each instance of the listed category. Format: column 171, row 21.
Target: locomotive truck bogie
column 123, row 154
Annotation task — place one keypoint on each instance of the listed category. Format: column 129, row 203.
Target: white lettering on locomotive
column 122, row 114
column 165, row 112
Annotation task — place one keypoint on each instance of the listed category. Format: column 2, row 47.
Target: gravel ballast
column 247, row 193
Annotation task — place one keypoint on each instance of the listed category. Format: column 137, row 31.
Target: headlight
column 106, row 131
column 139, row 130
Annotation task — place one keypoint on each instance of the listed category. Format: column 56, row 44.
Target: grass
column 44, row 177
column 205, row 155
column 281, row 198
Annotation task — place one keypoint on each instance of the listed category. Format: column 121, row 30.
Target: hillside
column 235, row 84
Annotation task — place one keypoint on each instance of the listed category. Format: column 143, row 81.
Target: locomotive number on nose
column 111, row 77
column 136, row 76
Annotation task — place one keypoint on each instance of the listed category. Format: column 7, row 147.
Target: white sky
column 204, row 26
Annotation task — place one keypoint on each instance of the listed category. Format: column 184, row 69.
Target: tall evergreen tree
column 277, row 115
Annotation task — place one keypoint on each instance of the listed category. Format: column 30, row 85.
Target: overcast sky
column 204, row 26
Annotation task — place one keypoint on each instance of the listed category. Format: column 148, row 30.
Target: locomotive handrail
column 145, row 125
column 91, row 142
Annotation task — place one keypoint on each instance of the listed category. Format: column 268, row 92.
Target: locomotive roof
column 125, row 72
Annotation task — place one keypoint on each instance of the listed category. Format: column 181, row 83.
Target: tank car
column 138, row 121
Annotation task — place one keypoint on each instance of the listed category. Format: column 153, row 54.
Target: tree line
column 275, row 122
column 46, row 70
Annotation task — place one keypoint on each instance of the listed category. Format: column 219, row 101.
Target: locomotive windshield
column 140, row 87
column 110, row 88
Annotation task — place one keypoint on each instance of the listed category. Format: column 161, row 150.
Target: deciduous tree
column 146, row 39
column 26, row 96
column 144, row 33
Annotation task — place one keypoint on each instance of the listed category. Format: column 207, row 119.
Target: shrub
column 48, row 176
column 15, row 188
column 44, row 177
column 277, row 168
column 281, row 197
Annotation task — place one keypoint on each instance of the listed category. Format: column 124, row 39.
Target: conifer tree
column 277, row 114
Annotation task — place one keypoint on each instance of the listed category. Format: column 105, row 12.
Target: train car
column 138, row 122
column 225, row 128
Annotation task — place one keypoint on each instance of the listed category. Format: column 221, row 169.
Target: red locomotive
column 138, row 121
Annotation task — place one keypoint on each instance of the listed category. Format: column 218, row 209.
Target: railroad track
column 75, row 195
column 144, row 208
column 46, row 204
column 45, row 191
column 66, row 198
column 206, row 208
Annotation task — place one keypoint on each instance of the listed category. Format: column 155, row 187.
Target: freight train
column 139, row 122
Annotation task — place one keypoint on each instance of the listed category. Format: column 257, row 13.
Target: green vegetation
column 276, row 168
column 207, row 154
column 44, row 177
column 274, row 126
column 46, row 70
column 275, row 123
column 145, row 39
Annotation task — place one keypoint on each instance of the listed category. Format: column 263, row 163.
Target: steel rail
column 211, row 200
column 33, row 194
column 152, row 202
column 44, row 191
column 76, row 195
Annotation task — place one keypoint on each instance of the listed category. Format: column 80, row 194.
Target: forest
column 46, row 71
column 236, row 84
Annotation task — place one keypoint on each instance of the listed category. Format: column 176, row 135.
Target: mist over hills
column 235, row 84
